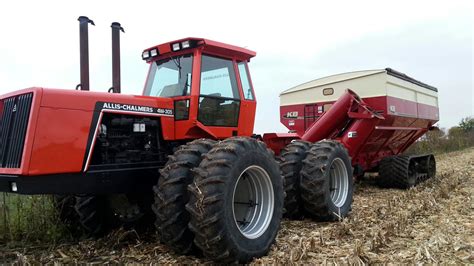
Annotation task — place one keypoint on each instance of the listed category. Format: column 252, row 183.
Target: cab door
column 248, row 103
column 219, row 97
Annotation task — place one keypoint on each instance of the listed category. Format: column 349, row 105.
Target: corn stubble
column 431, row 223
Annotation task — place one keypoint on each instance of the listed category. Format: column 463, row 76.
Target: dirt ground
column 432, row 223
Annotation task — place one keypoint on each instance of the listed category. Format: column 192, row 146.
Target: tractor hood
column 41, row 124
column 87, row 100
column 90, row 100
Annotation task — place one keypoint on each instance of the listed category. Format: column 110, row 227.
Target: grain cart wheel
column 64, row 205
column 236, row 201
column 99, row 214
column 397, row 172
column 291, row 162
column 171, row 195
column 326, row 181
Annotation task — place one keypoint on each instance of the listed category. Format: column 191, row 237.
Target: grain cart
column 184, row 155
column 336, row 134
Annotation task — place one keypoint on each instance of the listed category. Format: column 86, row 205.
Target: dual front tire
column 235, row 201
column 224, row 199
column 171, row 195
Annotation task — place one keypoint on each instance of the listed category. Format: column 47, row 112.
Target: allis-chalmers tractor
column 183, row 155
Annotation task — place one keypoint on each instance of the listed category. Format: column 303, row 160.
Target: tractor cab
column 209, row 83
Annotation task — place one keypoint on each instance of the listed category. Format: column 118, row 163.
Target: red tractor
column 184, row 154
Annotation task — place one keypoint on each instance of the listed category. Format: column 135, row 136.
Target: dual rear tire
column 96, row 215
column 327, row 181
column 318, row 180
column 291, row 162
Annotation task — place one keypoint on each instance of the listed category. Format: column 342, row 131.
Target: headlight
column 14, row 187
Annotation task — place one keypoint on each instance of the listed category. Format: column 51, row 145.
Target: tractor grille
column 14, row 112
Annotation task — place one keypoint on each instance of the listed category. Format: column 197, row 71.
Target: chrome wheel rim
column 253, row 202
column 338, row 182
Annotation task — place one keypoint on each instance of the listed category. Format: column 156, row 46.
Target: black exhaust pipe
column 116, row 28
column 84, row 51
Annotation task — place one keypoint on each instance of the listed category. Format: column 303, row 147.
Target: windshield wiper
column 177, row 62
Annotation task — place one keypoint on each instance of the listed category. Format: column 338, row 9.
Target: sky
column 295, row 41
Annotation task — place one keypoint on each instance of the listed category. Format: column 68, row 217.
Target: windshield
column 170, row 77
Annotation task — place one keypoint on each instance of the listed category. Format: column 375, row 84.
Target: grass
column 29, row 218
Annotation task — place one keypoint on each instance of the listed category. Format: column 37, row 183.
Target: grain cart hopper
column 337, row 132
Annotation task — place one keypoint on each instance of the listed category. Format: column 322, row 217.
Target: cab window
column 170, row 77
column 218, row 78
column 244, row 79
column 219, row 100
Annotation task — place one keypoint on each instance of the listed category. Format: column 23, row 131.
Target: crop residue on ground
column 432, row 223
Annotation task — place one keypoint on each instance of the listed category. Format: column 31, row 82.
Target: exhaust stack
column 116, row 28
column 84, row 51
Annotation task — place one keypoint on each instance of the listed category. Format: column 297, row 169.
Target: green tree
column 467, row 124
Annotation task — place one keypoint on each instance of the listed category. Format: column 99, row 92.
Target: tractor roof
column 209, row 45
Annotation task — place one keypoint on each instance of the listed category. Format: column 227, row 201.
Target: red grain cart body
column 392, row 112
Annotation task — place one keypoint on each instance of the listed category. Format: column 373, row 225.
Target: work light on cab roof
column 174, row 47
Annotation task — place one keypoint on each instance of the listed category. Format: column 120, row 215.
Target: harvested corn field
column 431, row 223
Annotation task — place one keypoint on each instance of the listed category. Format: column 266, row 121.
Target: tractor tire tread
column 171, row 195
column 291, row 161
column 313, row 180
column 207, row 211
column 90, row 212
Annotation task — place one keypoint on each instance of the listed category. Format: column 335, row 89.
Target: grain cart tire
column 291, row 162
column 327, row 181
column 397, row 172
column 64, row 205
column 98, row 215
column 236, row 201
column 171, row 195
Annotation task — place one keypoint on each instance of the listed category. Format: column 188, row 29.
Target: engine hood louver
column 15, row 112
